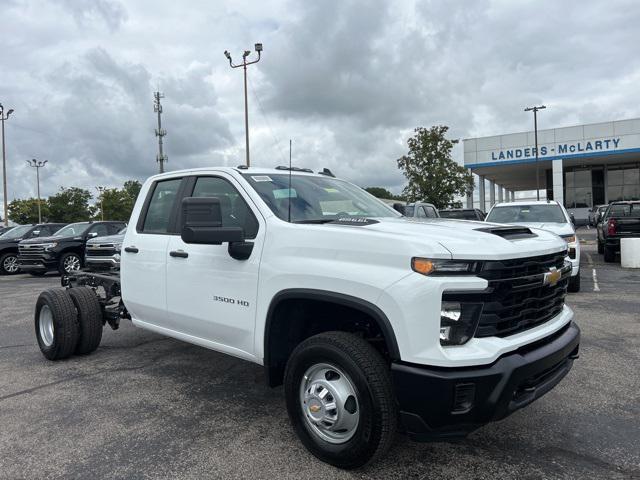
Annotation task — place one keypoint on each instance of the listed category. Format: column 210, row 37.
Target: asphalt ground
column 146, row 406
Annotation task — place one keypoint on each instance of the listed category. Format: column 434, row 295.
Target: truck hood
column 557, row 228
column 465, row 239
column 50, row 239
column 106, row 239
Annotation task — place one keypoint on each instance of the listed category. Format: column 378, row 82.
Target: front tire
column 574, row 283
column 69, row 263
column 56, row 323
column 340, row 399
column 9, row 264
column 600, row 247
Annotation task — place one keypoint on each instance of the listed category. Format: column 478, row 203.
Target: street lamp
column 37, row 164
column 4, row 117
column 101, row 190
column 535, row 129
column 244, row 64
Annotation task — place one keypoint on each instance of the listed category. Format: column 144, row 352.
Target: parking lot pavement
column 145, row 406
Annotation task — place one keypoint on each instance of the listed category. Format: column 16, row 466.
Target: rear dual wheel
column 340, row 400
column 68, row 322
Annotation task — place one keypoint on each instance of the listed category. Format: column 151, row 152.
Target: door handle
column 131, row 249
column 179, row 253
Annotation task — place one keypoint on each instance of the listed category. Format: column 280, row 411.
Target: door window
column 160, row 206
column 421, row 213
column 100, row 230
column 235, row 211
column 431, row 212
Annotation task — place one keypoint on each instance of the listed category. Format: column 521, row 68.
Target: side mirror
column 202, row 223
column 573, row 218
column 398, row 207
column 92, row 234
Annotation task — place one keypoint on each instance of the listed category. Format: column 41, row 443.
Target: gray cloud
column 346, row 80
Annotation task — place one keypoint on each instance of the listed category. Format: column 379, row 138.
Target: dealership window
column 577, row 189
column 623, row 183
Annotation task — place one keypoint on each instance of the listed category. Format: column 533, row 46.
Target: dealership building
column 579, row 166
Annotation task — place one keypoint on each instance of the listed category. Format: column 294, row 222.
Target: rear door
column 144, row 254
column 210, row 295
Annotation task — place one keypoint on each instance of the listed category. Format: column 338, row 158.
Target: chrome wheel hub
column 45, row 325
column 71, row 264
column 10, row 264
column 329, row 403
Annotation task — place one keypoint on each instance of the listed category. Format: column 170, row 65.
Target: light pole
column 37, row 164
column 244, row 64
column 4, row 117
column 101, row 190
column 535, row 130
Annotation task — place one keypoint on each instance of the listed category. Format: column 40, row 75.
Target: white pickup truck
column 373, row 322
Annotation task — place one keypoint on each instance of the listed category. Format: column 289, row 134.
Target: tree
column 70, row 205
column 380, row 192
column 433, row 175
column 25, row 211
column 118, row 203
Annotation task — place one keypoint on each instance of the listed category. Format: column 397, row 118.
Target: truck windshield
column 624, row 210
column 16, row 232
column 551, row 213
column 316, row 199
column 73, row 229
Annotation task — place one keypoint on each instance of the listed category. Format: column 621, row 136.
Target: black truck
column 10, row 239
column 65, row 250
column 620, row 220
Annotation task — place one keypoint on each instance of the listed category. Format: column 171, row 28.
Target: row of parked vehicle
column 40, row 248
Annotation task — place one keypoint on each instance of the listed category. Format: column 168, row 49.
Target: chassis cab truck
column 373, row 322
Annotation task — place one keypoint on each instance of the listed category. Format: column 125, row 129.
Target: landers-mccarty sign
column 569, row 148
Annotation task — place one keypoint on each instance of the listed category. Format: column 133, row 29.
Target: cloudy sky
column 346, row 80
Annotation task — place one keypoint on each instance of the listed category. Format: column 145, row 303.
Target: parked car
column 463, row 214
column 63, row 251
column 546, row 215
column 9, row 243
column 417, row 210
column 367, row 318
column 103, row 253
column 620, row 220
column 595, row 213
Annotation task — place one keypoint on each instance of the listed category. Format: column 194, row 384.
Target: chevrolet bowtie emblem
column 314, row 408
column 551, row 277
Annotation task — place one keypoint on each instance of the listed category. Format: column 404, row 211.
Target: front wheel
column 340, row 399
column 600, row 247
column 69, row 263
column 9, row 264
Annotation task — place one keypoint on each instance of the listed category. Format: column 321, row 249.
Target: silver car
column 103, row 253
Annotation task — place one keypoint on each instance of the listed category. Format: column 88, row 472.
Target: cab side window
column 431, row 213
column 235, row 211
column 160, row 206
column 421, row 213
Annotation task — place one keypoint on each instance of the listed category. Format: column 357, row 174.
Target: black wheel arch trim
column 342, row 299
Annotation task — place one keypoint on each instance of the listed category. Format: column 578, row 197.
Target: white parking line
column 596, row 287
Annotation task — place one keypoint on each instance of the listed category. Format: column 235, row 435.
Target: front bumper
column 37, row 264
column 102, row 262
column 448, row 403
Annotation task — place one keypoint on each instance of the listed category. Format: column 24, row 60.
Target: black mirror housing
column 202, row 223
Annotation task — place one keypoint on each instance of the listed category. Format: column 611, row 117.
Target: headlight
column 572, row 243
column 458, row 322
column 427, row 266
column 570, row 239
column 49, row 246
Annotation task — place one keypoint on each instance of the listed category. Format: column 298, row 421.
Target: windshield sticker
column 262, row 178
column 285, row 193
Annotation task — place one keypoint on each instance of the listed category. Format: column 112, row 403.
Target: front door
column 210, row 295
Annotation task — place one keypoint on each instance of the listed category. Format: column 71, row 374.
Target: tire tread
column 89, row 319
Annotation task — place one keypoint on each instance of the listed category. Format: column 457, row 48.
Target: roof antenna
column 289, row 180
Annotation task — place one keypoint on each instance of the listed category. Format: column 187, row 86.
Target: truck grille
column 104, row 250
column 27, row 251
column 516, row 298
